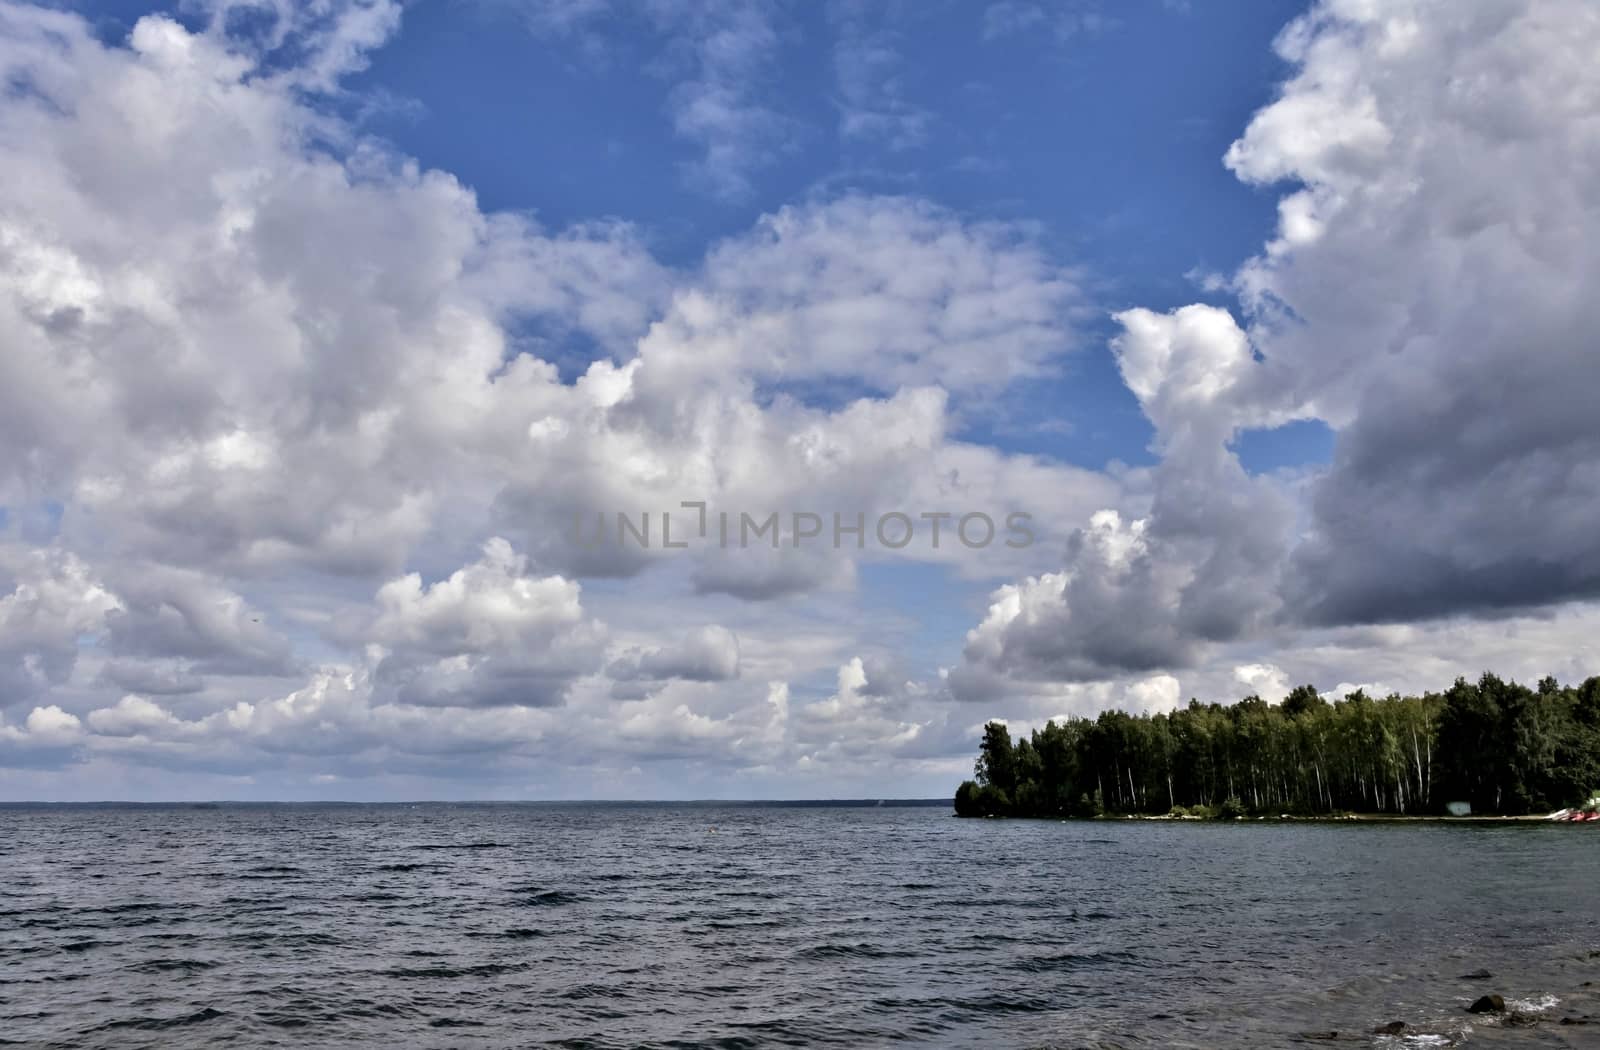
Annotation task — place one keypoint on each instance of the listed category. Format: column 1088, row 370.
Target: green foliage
column 997, row 765
column 993, row 801
column 1501, row 746
column 1302, row 699
column 967, row 800
column 1231, row 809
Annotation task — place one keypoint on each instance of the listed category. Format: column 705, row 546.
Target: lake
column 747, row 926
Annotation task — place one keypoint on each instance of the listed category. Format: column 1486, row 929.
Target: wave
column 452, row 972
column 161, row 1023
column 539, row 898
column 1071, row 961
column 852, row 951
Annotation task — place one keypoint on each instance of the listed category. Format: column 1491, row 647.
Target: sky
column 632, row 399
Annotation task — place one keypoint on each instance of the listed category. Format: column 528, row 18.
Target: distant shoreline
column 755, row 804
column 1349, row 818
column 824, row 803
column 1491, row 747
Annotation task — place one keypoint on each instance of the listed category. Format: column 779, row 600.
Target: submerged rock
column 1392, row 1028
column 1488, row 1004
column 1476, row 975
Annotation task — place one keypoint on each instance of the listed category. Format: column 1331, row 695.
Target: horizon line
column 869, row 799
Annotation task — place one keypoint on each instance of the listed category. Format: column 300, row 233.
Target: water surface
column 707, row 926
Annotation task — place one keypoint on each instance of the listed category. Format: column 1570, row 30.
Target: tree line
column 1501, row 747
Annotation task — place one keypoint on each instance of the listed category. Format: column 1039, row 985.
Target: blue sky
column 1109, row 138
column 320, row 324
column 1103, row 128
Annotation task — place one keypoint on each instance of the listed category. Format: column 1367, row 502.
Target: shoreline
column 1347, row 818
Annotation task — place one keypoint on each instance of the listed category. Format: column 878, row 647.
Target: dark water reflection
column 601, row 926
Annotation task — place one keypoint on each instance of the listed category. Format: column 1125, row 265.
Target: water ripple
column 636, row 926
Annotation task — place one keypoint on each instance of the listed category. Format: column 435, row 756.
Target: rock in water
column 1392, row 1028
column 1476, row 975
column 1488, row 1004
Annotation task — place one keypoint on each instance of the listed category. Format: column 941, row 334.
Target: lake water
column 707, row 926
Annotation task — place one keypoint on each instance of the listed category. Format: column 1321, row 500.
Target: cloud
column 869, row 72
column 1264, row 680
column 54, row 600
column 363, row 403
column 1060, row 21
column 890, row 292
column 1158, row 694
column 489, row 634
column 1425, row 295
column 731, row 45
column 116, row 299
column 333, row 719
column 746, row 395
column 296, row 433
column 172, row 613
column 52, row 725
column 1198, row 567
column 718, row 57
column 160, row 677
column 707, row 654
column 309, row 46
column 132, row 716
column 761, row 573
column 863, row 721
column 1191, row 370
column 264, row 372
column 1073, row 625
column 1428, row 292
column 48, row 737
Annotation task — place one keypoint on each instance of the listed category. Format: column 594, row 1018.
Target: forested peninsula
column 1499, row 746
